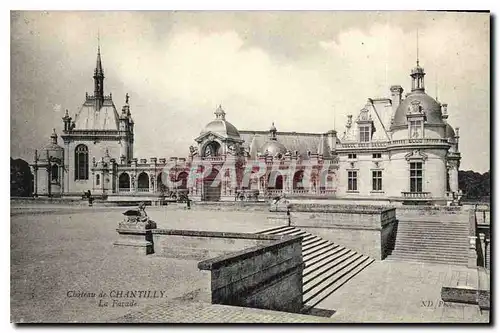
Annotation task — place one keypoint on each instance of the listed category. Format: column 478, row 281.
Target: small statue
column 138, row 217
column 126, row 98
column 193, row 151
column 231, row 150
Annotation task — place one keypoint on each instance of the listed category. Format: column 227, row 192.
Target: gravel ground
column 54, row 253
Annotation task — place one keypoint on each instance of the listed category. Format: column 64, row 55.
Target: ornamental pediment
column 364, row 115
column 209, row 136
column 415, row 109
column 416, row 155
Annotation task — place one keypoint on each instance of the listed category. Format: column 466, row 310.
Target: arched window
column 143, row 182
column 297, row 180
column 54, row 173
column 97, row 180
column 182, row 178
column 81, row 162
column 124, row 182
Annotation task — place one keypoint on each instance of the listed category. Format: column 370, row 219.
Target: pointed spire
column 437, row 87
column 417, row 74
column 98, row 77
column 98, row 65
column 417, row 49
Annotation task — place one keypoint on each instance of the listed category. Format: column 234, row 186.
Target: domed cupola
column 52, row 151
column 417, row 103
column 273, row 147
column 221, row 126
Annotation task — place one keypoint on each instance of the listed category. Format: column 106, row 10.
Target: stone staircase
column 431, row 241
column 328, row 266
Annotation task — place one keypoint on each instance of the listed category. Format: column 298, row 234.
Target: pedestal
column 135, row 237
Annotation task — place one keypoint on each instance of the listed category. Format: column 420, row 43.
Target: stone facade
column 396, row 150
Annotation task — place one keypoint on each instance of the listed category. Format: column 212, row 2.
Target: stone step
column 310, row 241
column 428, row 238
column 432, row 227
column 337, row 282
column 316, row 271
column 416, row 248
column 435, row 221
column 323, row 257
column 312, row 284
column 421, row 228
column 444, row 253
column 319, row 252
column 308, row 237
column 276, row 230
column 291, row 232
column 427, row 241
column 433, row 231
column 327, row 283
column 426, row 260
column 429, row 257
column 313, row 246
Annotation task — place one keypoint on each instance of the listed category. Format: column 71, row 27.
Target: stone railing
column 327, row 192
column 146, row 189
column 125, row 189
column 418, row 141
column 274, row 193
column 216, row 158
column 361, row 145
column 416, row 195
column 300, row 191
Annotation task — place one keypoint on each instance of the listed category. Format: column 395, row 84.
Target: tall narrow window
column 54, row 171
column 97, row 180
column 364, row 134
column 416, row 177
column 352, row 180
column 81, row 162
column 415, row 129
column 377, row 180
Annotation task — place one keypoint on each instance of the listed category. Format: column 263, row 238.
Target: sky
column 304, row 71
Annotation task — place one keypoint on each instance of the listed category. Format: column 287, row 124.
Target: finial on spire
column 126, row 98
column 98, row 41
column 417, row 48
column 53, row 136
column 273, row 131
column 219, row 113
column 437, row 87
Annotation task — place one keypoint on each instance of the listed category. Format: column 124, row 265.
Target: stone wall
column 267, row 276
column 439, row 213
column 370, row 230
column 201, row 245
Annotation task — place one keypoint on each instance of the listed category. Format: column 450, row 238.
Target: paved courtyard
column 59, row 253
column 56, row 250
column 391, row 291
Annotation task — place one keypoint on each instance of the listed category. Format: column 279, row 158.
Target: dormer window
column 416, row 129
column 364, row 134
column 365, row 125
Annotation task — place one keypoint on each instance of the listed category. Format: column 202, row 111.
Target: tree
column 474, row 185
column 21, row 178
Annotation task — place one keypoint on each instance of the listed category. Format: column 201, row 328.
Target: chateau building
column 399, row 149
